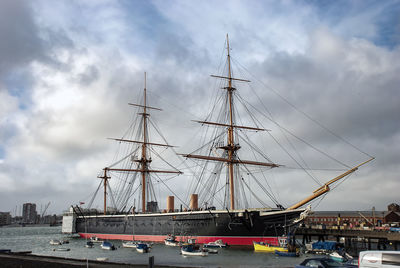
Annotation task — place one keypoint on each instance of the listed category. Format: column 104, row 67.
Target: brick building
column 353, row 218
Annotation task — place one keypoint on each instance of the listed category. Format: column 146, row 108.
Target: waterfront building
column 353, row 218
column 29, row 213
column 394, row 207
column 5, row 218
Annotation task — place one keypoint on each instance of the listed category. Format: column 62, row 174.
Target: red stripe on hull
column 230, row 240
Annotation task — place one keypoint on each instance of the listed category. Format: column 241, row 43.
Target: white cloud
column 97, row 54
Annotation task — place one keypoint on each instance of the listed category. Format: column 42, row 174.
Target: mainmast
column 144, row 154
column 231, row 148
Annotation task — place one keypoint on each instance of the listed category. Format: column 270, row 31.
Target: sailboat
column 232, row 223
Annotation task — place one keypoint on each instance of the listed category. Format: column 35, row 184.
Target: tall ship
column 218, row 201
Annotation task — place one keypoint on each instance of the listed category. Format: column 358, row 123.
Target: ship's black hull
column 237, row 228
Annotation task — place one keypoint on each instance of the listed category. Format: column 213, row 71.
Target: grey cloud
column 24, row 41
column 90, row 75
column 19, row 34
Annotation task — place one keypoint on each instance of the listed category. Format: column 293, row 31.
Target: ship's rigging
column 230, row 155
column 136, row 163
column 227, row 131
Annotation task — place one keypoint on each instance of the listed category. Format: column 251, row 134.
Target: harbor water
column 36, row 239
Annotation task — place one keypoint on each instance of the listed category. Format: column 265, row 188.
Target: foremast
column 231, row 147
column 143, row 163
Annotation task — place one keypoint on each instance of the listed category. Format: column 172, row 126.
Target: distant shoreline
column 30, row 225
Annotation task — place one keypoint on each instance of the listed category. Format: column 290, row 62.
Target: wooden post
column 151, row 262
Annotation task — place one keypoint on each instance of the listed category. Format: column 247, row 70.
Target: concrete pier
column 35, row 261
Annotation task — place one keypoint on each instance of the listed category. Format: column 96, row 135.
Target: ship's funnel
column 193, row 202
column 170, row 204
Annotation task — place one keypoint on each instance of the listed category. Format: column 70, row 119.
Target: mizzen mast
column 105, row 180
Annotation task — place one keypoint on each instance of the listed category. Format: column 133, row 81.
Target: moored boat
column 340, row 256
column 171, row 241
column 142, row 248
column 89, row 244
column 55, row 242
column 129, row 244
column 216, row 244
column 107, row 245
column 192, row 250
column 95, row 239
column 264, row 247
column 211, row 250
column 287, row 254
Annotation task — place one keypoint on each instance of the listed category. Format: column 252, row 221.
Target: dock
column 35, row 261
column 384, row 237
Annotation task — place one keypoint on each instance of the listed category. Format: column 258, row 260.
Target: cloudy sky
column 69, row 68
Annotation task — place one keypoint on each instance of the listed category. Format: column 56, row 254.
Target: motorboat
column 192, row 250
column 287, row 254
column 95, row 239
column 211, row 250
column 89, row 244
column 55, row 242
column 216, row 244
column 171, row 241
column 264, row 247
column 129, row 244
column 340, row 256
column 107, row 245
column 142, row 248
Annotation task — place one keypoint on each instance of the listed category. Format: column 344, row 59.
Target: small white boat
column 216, row 244
column 211, row 250
column 61, row 249
column 171, row 241
column 55, row 242
column 129, row 244
column 340, row 257
column 95, row 239
column 102, row 259
column 191, row 250
column 142, row 248
column 107, row 245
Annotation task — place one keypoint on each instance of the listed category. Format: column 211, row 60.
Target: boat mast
column 231, row 144
column 144, row 148
column 143, row 163
column 231, row 147
column 105, row 179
